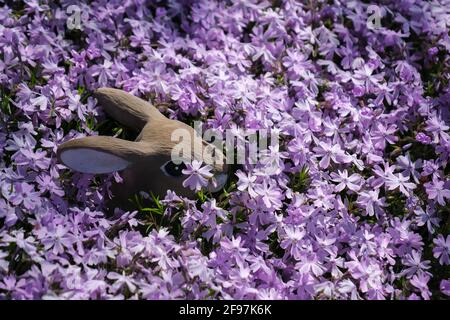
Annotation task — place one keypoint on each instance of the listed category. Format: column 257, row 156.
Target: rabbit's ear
column 101, row 154
column 127, row 109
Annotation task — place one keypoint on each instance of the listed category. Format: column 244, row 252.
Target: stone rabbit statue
column 144, row 164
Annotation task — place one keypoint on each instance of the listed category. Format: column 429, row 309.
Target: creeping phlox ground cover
column 357, row 208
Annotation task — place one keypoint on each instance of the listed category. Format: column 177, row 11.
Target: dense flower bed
column 357, row 209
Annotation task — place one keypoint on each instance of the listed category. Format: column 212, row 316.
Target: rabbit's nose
column 219, row 181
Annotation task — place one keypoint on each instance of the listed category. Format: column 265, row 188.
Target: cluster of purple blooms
column 358, row 207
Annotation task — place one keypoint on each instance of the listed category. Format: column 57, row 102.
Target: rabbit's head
column 146, row 164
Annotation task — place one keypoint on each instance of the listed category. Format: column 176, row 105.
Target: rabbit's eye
column 173, row 170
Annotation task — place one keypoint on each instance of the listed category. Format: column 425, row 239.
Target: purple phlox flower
column 309, row 263
column 304, row 283
column 364, row 77
column 343, row 180
column 40, row 101
column 242, row 272
column 170, row 287
column 401, row 234
column 246, row 182
column 366, row 241
column 333, row 153
column 199, row 175
column 371, row 201
column 414, row 264
column 74, row 104
column 384, row 249
column 233, row 245
column 441, row 249
column 437, row 128
column 432, row 51
column 269, row 193
column 420, row 281
column 409, row 167
column 358, row 91
column 158, row 78
column 334, row 262
column 368, row 148
column 211, row 213
column 445, row 287
column 20, row 141
column 431, row 167
column 28, row 244
column 50, row 66
column 259, row 214
column 95, row 287
column 58, row 240
column 384, row 92
column 36, row 159
column 413, row 297
column 272, row 161
column 47, row 183
column 310, row 79
column 197, row 267
column 24, row 194
column 332, row 129
column 332, row 67
column 28, row 127
column 383, row 133
column 347, row 53
column 427, row 217
column 7, row 212
column 323, row 196
column 212, row 210
column 11, row 284
column 423, row 138
column 103, row 72
column 347, row 287
column 406, row 71
column 436, row 190
column 326, row 289
column 269, row 294
column 368, row 273
column 292, row 240
column 400, row 181
column 121, row 280
column 298, row 151
column 296, row 62
column 187, row 98
column 382, row 174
